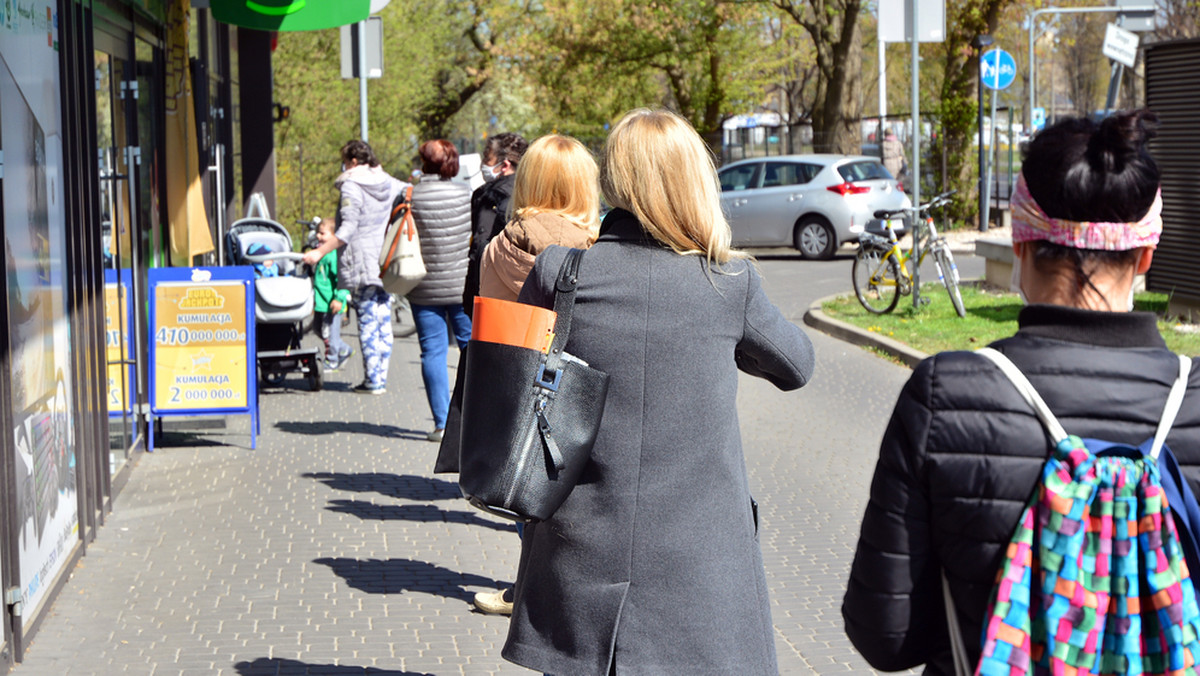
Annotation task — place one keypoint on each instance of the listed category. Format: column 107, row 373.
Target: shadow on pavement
column 393, row 576
column 406, row 486
column 271, row 666
column 421, row 513
column 345, row 427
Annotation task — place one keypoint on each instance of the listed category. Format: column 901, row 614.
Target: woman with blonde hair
column 652, row 565
column 556, row 200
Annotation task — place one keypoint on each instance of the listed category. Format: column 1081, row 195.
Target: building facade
column 131, row 132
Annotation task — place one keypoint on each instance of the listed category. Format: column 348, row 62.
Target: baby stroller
column 283, row 299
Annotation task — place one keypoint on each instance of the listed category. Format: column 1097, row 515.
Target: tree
column 1178, row 19
column 797, row 78
column 702, row 58
column 438, row 55
column 837, row 41
column 957, row 108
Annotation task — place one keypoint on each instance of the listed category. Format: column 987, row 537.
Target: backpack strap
column 1174, row 401
column 1025, row 388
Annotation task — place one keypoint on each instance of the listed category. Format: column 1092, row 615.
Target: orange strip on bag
column 509, row 323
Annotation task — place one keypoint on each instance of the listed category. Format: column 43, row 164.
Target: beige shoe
column 494, row 603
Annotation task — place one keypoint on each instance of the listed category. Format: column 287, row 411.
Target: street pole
column 362, row 79
column 915, row 92
column 983, row 225
column 981, row 42
column 986, row 195
column 882, row 84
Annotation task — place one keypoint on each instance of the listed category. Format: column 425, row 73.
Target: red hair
column 439, row 157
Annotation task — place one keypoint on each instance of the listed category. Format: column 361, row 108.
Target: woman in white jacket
column 366, row 196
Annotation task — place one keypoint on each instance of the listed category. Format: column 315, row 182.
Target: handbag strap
column 551, row 371
column 564, row 306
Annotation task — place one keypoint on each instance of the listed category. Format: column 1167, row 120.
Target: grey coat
column 365, row 207
column 442, row 211
column 653, row 562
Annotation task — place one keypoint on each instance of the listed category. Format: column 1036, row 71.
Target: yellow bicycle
column 881, row 268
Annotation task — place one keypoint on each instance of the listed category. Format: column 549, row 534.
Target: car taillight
column 844, row 189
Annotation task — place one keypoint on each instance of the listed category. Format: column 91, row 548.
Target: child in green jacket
column 329, row 302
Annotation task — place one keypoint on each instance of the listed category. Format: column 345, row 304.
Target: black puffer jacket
column 962, row 454
column 489, row 214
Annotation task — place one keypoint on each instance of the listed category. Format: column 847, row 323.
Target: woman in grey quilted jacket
column 441, row 209
column 367, row 193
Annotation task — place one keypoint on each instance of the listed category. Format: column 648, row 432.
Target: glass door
column 114, row 111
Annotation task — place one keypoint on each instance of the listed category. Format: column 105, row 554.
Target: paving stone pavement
column 333, row 549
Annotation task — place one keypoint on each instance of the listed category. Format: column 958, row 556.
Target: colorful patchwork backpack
column 1094, row 580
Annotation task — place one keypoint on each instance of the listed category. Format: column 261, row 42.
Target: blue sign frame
column 125, row 279
column 998, row 69
column 199, row 277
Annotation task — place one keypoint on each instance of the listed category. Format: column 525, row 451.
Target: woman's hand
column 335, row 306
column 313, row 256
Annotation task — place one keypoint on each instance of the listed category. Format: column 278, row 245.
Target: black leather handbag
column 529, row 419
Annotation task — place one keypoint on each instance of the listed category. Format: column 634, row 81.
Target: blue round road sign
column 998, row 69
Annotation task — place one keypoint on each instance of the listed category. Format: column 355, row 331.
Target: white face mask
column 489, row 171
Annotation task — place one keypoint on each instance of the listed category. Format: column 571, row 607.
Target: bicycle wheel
column 876, row 279
column 402, row 320
column 948, row 271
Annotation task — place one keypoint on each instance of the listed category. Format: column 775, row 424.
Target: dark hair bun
column 1121, row 139
column 1082, row 170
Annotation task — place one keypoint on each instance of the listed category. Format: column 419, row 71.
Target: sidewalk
column 332, row 549
column 331, row 544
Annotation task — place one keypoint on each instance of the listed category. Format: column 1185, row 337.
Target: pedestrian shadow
column 395, row 576
column 407, row 486
column 420, row 513
column 323, row 427
column 273, row 666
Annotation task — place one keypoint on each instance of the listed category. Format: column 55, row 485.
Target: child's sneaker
column 345, row 357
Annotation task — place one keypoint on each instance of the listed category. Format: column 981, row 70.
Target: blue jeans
column 430, row 321
column 330, row 328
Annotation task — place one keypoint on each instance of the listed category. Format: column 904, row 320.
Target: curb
column 817, row 319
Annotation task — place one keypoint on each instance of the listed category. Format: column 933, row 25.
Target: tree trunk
column 838, row 105
column 958, row 109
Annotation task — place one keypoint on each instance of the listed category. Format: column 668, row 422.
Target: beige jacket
column 509, row 258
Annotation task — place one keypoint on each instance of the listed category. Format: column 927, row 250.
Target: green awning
column 290, row 15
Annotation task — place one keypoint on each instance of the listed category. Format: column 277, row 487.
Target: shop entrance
column 128, row 94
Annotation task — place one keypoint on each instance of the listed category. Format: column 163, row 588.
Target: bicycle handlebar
column 884, row 214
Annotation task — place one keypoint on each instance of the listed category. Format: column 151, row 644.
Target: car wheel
column 815, row 238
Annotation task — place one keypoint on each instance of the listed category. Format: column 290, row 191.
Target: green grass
column 991, row 315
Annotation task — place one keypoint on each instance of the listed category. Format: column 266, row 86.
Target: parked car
column 814, row 203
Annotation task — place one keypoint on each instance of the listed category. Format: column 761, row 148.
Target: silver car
column 811, row 202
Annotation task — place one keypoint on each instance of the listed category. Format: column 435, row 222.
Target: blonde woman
column 556, row 200
column 652, row 565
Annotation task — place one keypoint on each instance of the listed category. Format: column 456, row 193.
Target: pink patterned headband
column 1030, row 223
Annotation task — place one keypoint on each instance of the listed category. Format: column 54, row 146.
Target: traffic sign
column 998, row 69
column 1120, row 45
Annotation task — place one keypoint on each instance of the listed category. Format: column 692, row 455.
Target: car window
column 788, row 173
column 865, row 170
column 740, row 177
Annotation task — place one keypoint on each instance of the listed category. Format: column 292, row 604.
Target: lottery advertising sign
column 202, row 352
column 118, row 320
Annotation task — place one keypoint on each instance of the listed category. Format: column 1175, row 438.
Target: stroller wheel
column 316, row 377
